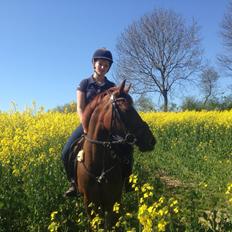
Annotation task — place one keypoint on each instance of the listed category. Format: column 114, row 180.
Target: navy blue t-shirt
column 91, row 88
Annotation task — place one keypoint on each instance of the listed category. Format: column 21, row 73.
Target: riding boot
column 70, row 171
column 72, row 191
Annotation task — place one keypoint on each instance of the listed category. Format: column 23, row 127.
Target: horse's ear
column 127, row 88
column 122, row 85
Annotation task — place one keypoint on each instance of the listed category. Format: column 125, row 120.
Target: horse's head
column 123, row 120
column 113, row 112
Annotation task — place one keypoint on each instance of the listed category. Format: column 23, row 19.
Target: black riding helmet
column 103, row 53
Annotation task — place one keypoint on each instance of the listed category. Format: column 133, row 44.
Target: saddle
column 78, row 146
column 71, row 164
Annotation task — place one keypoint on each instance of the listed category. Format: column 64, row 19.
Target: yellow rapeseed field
column 33, row 136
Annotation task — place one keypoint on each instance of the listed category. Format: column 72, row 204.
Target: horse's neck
column 96, row 128
column 96, row 131
column 91, row 108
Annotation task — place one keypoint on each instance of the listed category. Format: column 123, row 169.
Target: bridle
column 128, row 137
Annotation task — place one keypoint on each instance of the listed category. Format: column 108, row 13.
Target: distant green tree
column 227, row 103
column 191, row 103
column 173, row 107
column 66, row 108
column 144, row 104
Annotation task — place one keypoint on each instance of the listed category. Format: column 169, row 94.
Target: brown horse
column 113, row 124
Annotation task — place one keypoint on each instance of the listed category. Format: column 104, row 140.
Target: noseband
column 128, row 137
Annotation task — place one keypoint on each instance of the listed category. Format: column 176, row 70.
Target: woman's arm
column 81, row 106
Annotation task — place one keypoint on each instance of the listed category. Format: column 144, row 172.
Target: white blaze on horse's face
column 112, row 97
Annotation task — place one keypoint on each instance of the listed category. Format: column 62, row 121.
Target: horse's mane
column 91, row 106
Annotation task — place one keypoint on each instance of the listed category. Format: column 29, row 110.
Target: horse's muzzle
column 148, row 144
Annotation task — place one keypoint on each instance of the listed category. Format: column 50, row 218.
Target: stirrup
column 72, row 192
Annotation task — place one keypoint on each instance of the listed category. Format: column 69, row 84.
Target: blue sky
column 46, row 45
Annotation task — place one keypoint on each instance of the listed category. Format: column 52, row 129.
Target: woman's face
column 101, row 66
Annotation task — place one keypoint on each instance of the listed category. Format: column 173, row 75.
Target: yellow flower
column 53, row 227
column 161, row 200
column 129, row 215
column 142, row 209
column 161, row 225
column 161, row 212
column 53, row 214
column 116, row 207
column 173, row 203
column 95, row 222
column 150, row 209
column 145, row 195
column 176, row 210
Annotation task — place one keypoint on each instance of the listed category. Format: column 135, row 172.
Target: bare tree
column 208, row 83
column 158, row 52
column 225, row 59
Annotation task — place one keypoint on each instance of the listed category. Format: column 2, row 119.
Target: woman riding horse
column 102, row 60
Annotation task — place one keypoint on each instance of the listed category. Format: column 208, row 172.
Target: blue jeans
column 66, row 157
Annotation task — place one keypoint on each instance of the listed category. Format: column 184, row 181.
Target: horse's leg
column 88, row 211
column 112, row 217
